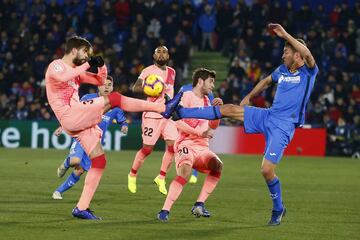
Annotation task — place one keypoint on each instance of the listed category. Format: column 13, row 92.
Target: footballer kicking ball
column 153, row 85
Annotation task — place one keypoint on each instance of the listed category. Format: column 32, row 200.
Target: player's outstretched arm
column 302, row 49
column 97, row 79
column 121, row 120
column 60, row 73
column 261, row 86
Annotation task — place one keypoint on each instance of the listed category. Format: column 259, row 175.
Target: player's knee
column 98, row 162
column 216, row 165
column 74, row 161
column 78, row 171
column 146, row 150
column 219, row 165
column 215, row 174
column 267, row 172
column 184, row 170
column 234, row 111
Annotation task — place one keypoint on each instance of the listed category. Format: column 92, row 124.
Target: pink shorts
column 153, row 128
column 194, row 155
column 80, row 121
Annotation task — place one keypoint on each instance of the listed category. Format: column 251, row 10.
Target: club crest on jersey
column 58, row 68
column 289, row 79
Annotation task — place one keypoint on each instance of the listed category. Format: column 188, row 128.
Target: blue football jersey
column 114, row 114
column 292, row 93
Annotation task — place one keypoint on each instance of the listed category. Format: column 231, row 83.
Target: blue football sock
column 68, row 183
column 275, row 193
column 67, row 162
column 195, row 173
column 209, row 113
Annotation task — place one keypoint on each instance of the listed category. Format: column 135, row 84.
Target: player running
column 154, row 125
column 77, row 158
column 192, row 147
column 80, row 119
column 295, row 80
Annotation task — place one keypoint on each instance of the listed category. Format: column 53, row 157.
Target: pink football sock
column 134, row 105
column 92, row 181
column 175, row 190
column 166, row 161
column 139, row 160
column 209, row 185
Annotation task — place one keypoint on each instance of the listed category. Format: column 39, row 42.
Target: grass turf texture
column 321, row 194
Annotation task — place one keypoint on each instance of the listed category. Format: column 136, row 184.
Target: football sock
column 210, row 183
column 92, row 181
column 162, row 175
column 275, row 193
column 175, row 190
column 134, row 105
column 209, row 113
column 68, row 183
column 67, row 162
column 166, row 161
column 139, row 160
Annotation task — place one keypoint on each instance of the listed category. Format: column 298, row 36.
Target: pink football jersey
column 168, row 76
column 62, row 84
column 189, row 99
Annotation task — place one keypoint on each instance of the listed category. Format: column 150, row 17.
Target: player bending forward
column 79, row 119
column 192, row 147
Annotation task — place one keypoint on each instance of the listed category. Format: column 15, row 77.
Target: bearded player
column 154, row 125
column 192, row 147
column 79, row 119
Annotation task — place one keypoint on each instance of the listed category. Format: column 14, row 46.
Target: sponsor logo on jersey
column 105, row 118
column 295, row 79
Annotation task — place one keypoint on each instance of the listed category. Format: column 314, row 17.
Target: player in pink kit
column 192, row 147
column 80, row 119
column 153, row 124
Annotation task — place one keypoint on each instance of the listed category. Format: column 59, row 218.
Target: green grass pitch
column 322, row 196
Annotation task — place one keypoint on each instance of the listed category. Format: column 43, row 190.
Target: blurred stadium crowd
column 125, row 33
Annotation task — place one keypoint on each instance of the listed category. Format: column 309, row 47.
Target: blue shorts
column 76, row 150
column 278, row 133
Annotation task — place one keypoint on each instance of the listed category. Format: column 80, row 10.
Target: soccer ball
column 153, row 85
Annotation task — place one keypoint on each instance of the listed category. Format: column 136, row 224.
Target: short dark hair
column 108, row 77
column 287, row 44
column 76, row 42
column 202, row 73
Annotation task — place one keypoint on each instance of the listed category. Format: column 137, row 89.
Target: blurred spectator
column 340, row 140
column 207, row 24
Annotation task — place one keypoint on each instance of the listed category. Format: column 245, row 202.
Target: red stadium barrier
column 306, row 142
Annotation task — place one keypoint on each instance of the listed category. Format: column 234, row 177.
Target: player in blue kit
column 185, row 88
column 295, row 80
column 77, row 157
